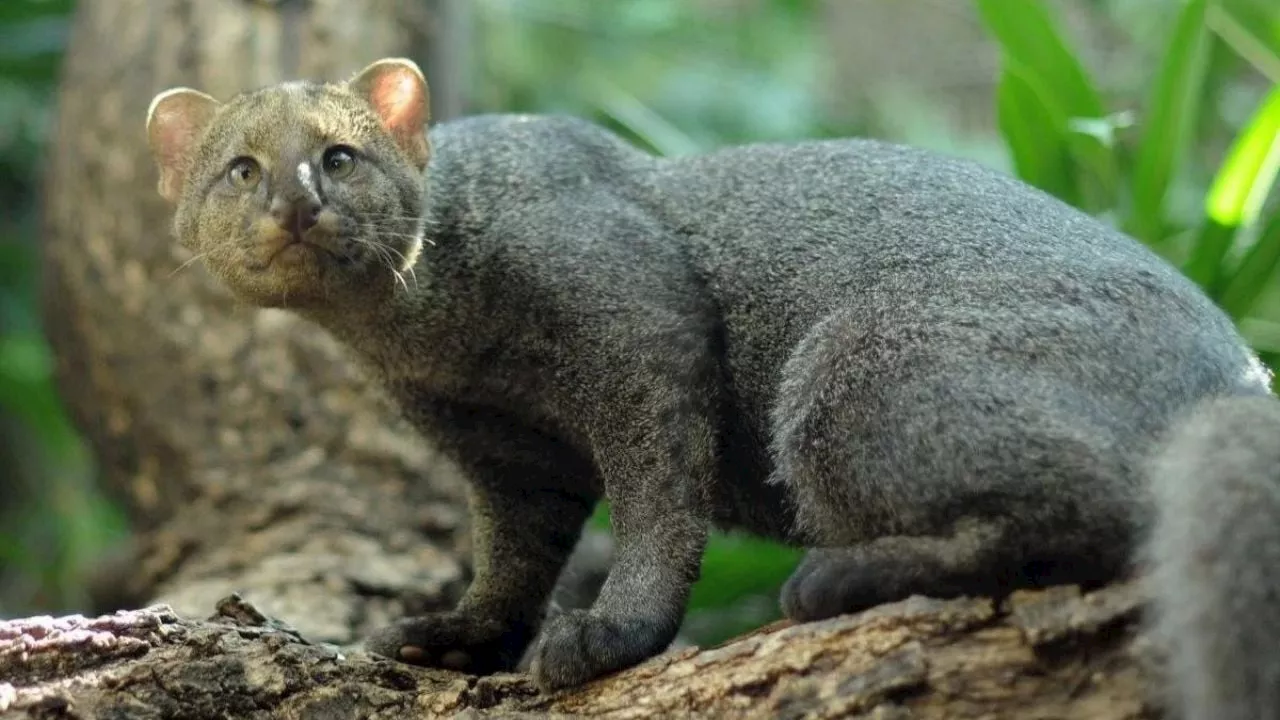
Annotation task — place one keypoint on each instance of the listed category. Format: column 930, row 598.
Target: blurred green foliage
column 677, row 77
column 52, row 520
column 1210, row 215
column 1175, row 141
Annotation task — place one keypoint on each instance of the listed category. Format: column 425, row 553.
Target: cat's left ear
column 175, row 121
column 397, row 91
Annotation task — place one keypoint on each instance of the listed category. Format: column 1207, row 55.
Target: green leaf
column 1263, row 335
column 1252, row 29
column 1245, row 178
column 640, row 120
column 1210, row 245
column 1026, row 33
column 24, row 359
column 1040, row 68
column 1032, row 126
column 1091, row 141
column 1236, row 195
column 725, row 577
column 1169, row 120
column 1256, row 272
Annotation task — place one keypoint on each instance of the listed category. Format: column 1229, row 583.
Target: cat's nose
column 296, row 216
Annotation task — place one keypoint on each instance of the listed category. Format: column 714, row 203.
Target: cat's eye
column 339, row 161
column 244, row 173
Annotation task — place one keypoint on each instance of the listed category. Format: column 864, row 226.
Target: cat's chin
column 293, row 280
column 292, row 257
column 311, row 281
column 299, row 275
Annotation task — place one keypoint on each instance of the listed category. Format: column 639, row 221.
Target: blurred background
column 1161, row 116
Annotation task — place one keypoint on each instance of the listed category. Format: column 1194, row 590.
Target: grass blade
column 1245, row 178
column 1252, row 29
column 1026, row 33
column 1169, row 120
column 648, row 126
column 1263, row 335
column 1236, row 196
column 1032, row 126
column 1037, row 55
column 1257, row 271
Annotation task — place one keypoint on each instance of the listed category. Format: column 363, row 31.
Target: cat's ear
column 397, row 91
column 175, row 121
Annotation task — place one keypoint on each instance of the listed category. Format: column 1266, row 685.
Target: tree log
column 1047, row 654
column 253, row 457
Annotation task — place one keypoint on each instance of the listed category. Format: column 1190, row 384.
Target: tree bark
column 1050, row 654
column 253, row 457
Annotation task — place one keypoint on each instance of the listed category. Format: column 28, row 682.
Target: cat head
column 299, row 194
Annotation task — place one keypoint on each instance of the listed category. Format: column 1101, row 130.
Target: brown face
column 299, row 194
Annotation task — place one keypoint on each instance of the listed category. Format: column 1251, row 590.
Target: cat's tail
column 1214, row 554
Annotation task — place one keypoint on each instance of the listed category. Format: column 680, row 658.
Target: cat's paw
column 452, row 640
column 579, row 645
column 833, row 582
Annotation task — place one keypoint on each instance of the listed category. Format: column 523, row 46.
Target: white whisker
column 184, row 265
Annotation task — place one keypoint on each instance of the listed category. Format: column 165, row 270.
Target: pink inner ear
column 173, row 130
column 398, row 99
column 177, row 133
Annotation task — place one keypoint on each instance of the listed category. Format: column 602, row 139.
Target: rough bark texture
column 1052, row 654
column 253, row 457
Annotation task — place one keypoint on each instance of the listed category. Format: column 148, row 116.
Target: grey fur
column 1215, row 553
column 944, row 380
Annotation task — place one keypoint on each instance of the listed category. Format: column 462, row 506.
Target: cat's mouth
column 293, row 249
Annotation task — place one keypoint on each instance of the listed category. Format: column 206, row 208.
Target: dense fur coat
column 944, row 381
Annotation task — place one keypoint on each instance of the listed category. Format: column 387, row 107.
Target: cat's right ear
column 397, row 91
column 175, row 121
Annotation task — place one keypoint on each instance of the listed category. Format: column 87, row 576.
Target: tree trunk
column 253, row 457
column 249, row 453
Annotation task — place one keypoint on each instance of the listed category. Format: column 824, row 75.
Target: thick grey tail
column 1215, row 560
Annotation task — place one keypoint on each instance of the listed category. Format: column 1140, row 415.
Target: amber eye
column 244, row 173
column 339, row 161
